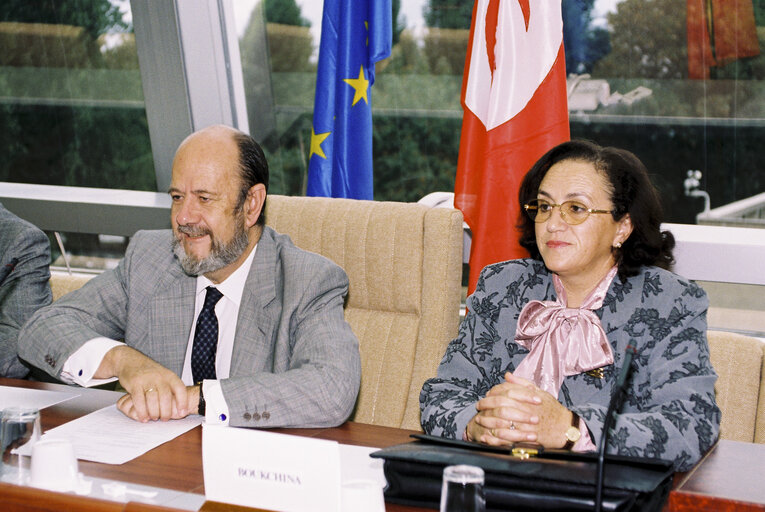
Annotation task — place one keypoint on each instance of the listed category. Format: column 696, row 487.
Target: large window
column 631, row 64
column 71, row 103
column 72, row 107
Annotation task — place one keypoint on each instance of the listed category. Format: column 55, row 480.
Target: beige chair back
column 738, row 361
column 404, row 264
column 62, row 283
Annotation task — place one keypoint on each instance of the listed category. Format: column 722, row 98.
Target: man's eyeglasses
column 572, row 212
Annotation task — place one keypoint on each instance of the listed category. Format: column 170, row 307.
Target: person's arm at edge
column 27, row 290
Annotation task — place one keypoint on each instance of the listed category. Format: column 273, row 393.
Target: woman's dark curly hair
column 631, row 193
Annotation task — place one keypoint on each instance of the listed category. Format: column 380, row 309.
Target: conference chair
column 740, row 389
column 62, row 282
column 404, row 265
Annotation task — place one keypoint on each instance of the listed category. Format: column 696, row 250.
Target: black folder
column 524, row 477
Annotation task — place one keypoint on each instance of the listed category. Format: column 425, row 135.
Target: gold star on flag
column 316, row 140
column 360, row 85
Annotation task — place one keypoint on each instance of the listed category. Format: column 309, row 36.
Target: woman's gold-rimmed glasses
column 572, row 212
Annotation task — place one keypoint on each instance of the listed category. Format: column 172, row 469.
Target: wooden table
column 731, row 476
column 176, row 465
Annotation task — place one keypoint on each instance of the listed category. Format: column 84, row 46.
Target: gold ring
column 493, row 433
column 149, row 390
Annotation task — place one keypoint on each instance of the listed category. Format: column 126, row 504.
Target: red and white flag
column 515, row 109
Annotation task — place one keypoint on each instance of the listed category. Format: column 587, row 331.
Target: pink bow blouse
column 563, row 341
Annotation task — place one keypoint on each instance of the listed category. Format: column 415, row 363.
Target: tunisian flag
column 515, row 109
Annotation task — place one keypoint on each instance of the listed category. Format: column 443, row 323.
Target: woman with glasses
column 538, row 353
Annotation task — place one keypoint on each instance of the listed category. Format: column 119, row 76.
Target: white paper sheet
column 37, row 398
column 110, row 437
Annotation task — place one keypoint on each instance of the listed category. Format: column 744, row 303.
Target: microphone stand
column 5, row 270
column 613, row 408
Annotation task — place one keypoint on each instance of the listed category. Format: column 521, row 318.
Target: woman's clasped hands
column 516, row 411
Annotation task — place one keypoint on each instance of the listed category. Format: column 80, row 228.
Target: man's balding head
column 253, row 166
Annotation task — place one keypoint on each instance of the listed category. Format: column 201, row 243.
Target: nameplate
column 254, row 468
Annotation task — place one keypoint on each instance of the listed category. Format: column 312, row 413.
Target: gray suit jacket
column 294, row 355
column 669, row 411
column 25, row 289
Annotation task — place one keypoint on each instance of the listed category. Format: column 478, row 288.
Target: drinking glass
column 19, row 430
column 462, row 489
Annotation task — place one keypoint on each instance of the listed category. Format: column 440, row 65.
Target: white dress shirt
column 80, row 367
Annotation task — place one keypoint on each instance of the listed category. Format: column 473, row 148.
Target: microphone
column 613, row 408
column 5, row 270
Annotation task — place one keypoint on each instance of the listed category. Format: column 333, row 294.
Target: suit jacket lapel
column 172, row 313
column 259, row 310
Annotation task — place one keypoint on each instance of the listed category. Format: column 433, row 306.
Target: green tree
column 406, row 57
column 759, row 12
column 414, row 156
column 95, row 16
column 448, row 13
column 285, row 12
column 446, row 42
column 648, row 40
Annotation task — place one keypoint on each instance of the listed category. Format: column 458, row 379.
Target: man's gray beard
column 221, row 254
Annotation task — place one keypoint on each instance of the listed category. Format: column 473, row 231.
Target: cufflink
column 222, row 417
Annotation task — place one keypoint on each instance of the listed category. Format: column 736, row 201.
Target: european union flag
column 354, row 35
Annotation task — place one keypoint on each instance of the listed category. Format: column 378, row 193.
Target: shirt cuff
column 585, row 443
column 216, row 408
column 80, row 367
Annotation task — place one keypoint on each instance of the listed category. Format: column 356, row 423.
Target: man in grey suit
column 285, row 357
column 24, row 263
